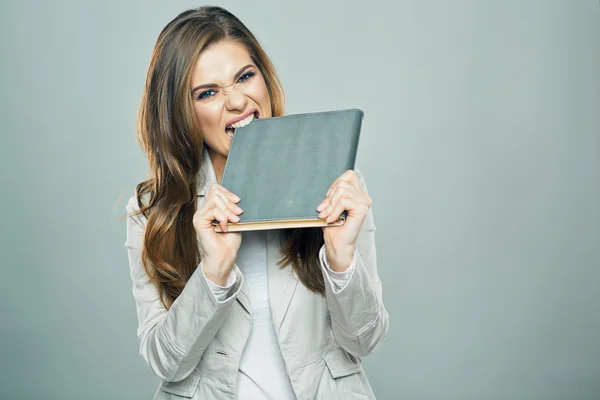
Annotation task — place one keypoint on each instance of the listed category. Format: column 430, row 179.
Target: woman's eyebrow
column 235, row 78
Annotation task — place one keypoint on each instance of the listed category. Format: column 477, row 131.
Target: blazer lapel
column 282, row 282
column 243, row 299
column 205, row 178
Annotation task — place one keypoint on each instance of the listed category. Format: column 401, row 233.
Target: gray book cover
column 282, row 167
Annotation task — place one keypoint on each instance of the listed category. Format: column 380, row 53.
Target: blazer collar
column 207, row 175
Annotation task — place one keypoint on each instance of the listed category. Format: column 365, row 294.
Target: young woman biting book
column 277, row 314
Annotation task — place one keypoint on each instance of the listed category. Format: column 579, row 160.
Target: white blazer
column 196, row 345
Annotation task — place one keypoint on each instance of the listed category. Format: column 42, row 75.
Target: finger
column 220, row 216
column 225, row 204
column 337, row 209
column 348, row 176
column 349, row 198
column 230, row 215
column 327, row 199
column 354, row 189
column 213, row 214
column 332, row 187
column 353, row 179
column 326, row 205
column 341, row 190
column 216, row 188
column 218, row 195
column 219, row 213
column 231, row 196
column 322, row 205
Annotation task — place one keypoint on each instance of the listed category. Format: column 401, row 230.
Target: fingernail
column 319, row 207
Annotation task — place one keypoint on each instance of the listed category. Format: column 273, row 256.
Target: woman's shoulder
column 133, row 206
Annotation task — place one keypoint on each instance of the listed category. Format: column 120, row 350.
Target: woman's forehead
column 219, row 63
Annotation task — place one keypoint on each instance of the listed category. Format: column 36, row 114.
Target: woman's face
column 228, row 91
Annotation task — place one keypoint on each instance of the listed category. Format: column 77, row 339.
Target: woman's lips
column 241, row 117
column 230, row 130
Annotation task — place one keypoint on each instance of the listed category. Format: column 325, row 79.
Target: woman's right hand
column 220, row 249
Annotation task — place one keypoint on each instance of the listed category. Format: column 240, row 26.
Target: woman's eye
column 206, row 94
column 246, row 76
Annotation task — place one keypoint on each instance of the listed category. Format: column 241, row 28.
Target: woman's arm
column 359, row 319
column 173, row 341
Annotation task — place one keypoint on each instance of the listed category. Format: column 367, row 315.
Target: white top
column 262, row 373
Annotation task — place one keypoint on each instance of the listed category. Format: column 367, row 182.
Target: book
column 282, row 167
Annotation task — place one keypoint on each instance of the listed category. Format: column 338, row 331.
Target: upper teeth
column 243, row 122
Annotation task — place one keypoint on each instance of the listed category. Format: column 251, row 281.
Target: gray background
column 481, row 149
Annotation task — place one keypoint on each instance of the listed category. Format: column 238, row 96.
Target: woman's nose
column 236, row 100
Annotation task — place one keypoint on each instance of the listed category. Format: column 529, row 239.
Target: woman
column 256, row 315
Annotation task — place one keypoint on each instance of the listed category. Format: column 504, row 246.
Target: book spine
column 358, row 122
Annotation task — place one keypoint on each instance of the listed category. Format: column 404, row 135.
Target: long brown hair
column 168, row 132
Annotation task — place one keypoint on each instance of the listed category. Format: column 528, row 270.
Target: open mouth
column 230, row 129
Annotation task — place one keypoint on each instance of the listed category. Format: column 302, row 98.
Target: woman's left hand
column 345, row 194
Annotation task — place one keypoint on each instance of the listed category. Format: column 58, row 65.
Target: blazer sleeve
column 359, row 319
column 172, row 341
